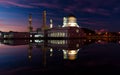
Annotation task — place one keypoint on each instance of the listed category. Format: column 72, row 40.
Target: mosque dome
column 70, row 21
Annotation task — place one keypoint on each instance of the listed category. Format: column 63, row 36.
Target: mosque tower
column 64, row 21
column 44, row 26
column 30, row 23
column 51, row 23
column 71, row 21
column 30, row 52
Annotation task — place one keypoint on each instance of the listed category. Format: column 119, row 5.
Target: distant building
column 1, row 34
column 15, row 42
column 14, row 35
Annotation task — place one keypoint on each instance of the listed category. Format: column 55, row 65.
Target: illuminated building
column 64, row 21
column 71, row 21
column 70, row 29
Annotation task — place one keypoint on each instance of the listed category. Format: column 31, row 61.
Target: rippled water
column 74, row 57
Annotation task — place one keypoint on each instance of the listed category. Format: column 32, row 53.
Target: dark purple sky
column 92, row 14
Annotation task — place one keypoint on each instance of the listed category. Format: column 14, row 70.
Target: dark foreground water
column 59, row 57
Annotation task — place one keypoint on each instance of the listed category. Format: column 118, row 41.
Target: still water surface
column 59, row 57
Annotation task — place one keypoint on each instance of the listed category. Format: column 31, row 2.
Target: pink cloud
column 15, row 4
column 8, row 28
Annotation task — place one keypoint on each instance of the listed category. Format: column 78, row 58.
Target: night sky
column 92, row 14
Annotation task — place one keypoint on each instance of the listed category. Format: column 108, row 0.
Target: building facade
column 65, row 32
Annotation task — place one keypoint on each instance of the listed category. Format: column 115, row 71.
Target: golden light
column 72, row 22
column 72, row 54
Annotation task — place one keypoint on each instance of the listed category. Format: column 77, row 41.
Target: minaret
column 64, row 21
column 30, row 52
column 51, row 24
column 44, row 26
column 30, row 23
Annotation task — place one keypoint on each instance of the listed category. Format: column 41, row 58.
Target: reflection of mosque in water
column 68, row 48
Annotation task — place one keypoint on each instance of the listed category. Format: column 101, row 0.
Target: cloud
column 7, row 28
column 98, row 11
column 48, row 5
column 8, row 3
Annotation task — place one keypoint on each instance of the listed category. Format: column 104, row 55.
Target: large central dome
column 71, row 21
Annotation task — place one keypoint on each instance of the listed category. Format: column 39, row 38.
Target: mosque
column 69, row 29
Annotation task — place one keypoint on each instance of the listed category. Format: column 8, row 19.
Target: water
column 59, row 57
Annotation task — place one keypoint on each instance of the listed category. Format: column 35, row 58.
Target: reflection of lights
column 57, row 42
column 30, row 40
column 65, row 54
column 38, row 41
column 119, row 42
column 72, row 52
column 72, row 57
column 30, row 35
column 38, row 35
column 51, row 52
